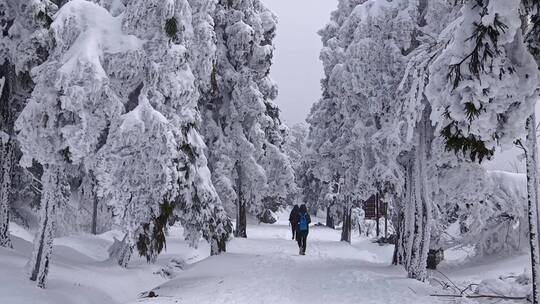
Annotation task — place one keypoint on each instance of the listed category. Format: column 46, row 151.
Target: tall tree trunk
column 241, row 220
column 386, row 220
column 55, row 193
column 329, row 218
column 417, row 226
column 398, row 258
column 15, row 91
column 531, row 153
column 377, row 214
column 6, row 149
column 95, row 202
column 94, row 215
column 6, row 165
column 346, row 231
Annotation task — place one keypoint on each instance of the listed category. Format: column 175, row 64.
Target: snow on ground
column 265, row 268
column 80, row 272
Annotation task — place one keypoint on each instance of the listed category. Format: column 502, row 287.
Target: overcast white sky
column 297, row 68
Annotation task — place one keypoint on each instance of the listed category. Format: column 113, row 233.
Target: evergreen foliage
column 171, row 27
column 152, row 239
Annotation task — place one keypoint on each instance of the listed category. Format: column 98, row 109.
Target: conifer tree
column 242, row 127
column 24, row 44
column 492, row 92
column 167, row 104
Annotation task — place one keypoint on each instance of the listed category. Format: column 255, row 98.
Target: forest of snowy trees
column 416, row 95
column 138, row 115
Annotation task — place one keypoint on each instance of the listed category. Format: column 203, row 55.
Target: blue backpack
column 303, row 224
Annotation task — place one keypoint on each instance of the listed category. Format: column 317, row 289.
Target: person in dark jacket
column 293, row 219
column 303, row 229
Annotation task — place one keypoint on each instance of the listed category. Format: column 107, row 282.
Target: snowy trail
column 266, row 268
column 263, row 269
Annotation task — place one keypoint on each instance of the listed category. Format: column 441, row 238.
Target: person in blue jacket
column 303, row 228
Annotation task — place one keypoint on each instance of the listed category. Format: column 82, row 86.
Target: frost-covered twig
column 467, row 288
column 446, row 277
column 444, row 284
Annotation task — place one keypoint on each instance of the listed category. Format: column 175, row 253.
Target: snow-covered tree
column 113, row 70
column 484, row 87
column 357, row 127
column 241, row 124
column 374, row 127
column 24, row 44
column 70, row 108
column 326, row 121
column 173, row 163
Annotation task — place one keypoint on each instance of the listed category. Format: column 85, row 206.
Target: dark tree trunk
column 329, row 218
column 397, row 259
column 346, row 231
column 386, row 220
column 13, row 96
column 241, row 220
column 94, row 216
column 377, row 214
column 95, row 202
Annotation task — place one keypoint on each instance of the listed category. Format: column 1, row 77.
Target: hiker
column 293, row 219
column 303, row 228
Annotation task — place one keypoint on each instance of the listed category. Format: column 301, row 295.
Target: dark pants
column 301, row 238
column 293, row 228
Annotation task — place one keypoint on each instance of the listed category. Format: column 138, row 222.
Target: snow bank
column 80, row 273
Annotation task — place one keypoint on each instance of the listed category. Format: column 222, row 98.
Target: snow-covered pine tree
column 203, row 48
column 141, row 146
column 24, row 44
column 71, row 108
column 360, row 112
column 392, row 147
column 242, row 127
column 176, row 169
column 476, row 112
column 326, row 123
column 492, row 90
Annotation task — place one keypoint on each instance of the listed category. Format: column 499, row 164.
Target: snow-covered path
column 266, row 268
